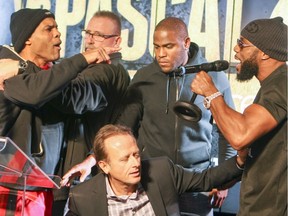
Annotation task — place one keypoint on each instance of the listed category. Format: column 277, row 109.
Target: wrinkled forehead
column 121, row 146
column 102, row 25
column 162, row 37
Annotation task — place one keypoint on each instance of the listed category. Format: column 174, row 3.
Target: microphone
column 188, row 110
column 213, row 66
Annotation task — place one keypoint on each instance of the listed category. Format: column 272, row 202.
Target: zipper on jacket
column 179, row 83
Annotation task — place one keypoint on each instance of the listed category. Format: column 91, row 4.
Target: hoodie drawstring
column 179, row 88
column 167, row 94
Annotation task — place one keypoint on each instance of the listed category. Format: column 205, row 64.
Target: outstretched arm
column 239, row 129
column 36, row 87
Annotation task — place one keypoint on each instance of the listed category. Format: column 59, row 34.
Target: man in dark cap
column 23, row 23
column 262, row 128
column 27, row 112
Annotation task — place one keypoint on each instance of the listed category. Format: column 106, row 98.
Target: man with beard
column 262, row 128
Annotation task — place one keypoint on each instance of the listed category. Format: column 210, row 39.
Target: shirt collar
column 112, row 195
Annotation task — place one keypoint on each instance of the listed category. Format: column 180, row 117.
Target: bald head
column 171, row 43
column 173, row 24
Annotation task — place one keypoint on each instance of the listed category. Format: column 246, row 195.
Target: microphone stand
column 187, row 110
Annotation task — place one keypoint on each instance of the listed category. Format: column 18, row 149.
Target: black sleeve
column 34, row 88
column 221, row 177
column 96, row 87
column 80, row 96
column 132, row 113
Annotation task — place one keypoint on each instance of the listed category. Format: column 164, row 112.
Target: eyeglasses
column 242, row 45
column 97, row 36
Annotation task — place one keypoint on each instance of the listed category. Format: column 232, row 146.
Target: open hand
column 217, row 197
column 83, row 170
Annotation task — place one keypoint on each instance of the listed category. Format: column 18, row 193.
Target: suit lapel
column 156, row 200
column 153, row 191
column 157, row 181
column 99, row 196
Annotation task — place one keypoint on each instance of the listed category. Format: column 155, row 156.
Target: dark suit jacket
column 163, row 182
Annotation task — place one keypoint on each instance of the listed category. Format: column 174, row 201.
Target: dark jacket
column 29, row 120
column 149, row 112
column 81, row 129
column 162, row 188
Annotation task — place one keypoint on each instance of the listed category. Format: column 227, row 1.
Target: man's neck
column 36, row 60
column 120, row 188
column 268, row 67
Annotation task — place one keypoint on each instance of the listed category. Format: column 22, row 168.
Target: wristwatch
column 207, row 100
column 22, row 65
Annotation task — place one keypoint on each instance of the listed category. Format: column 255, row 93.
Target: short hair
column 173, row 24
column 112, row 16
column 103, row 134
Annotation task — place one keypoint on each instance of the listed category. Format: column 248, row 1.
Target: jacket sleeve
column 132, row 113
column 34, row 88
column 80, row 96
column 96, row 87
column 221, row 177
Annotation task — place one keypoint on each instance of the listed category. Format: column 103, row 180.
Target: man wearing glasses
column 97, row 36
column 262, row 128
column 103, row 30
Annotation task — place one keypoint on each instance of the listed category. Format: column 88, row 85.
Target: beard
column 249, row 68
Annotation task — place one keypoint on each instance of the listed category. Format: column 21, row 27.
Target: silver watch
column 207, row 100
column 22, row 65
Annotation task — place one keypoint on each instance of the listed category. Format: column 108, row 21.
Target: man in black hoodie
column 27, row 112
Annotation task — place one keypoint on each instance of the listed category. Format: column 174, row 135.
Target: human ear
column 118, row 41
column 104, row 166
column 265, row 56
column 187, row 42
column 28, row 42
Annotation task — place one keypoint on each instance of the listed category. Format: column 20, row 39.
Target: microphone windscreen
column 221, row 65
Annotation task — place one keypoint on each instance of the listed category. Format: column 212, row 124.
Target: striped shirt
column 136, row 204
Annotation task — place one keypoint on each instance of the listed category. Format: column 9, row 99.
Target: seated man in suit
column 151, row 187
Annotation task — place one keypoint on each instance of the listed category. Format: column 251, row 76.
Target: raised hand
column 100, row 54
